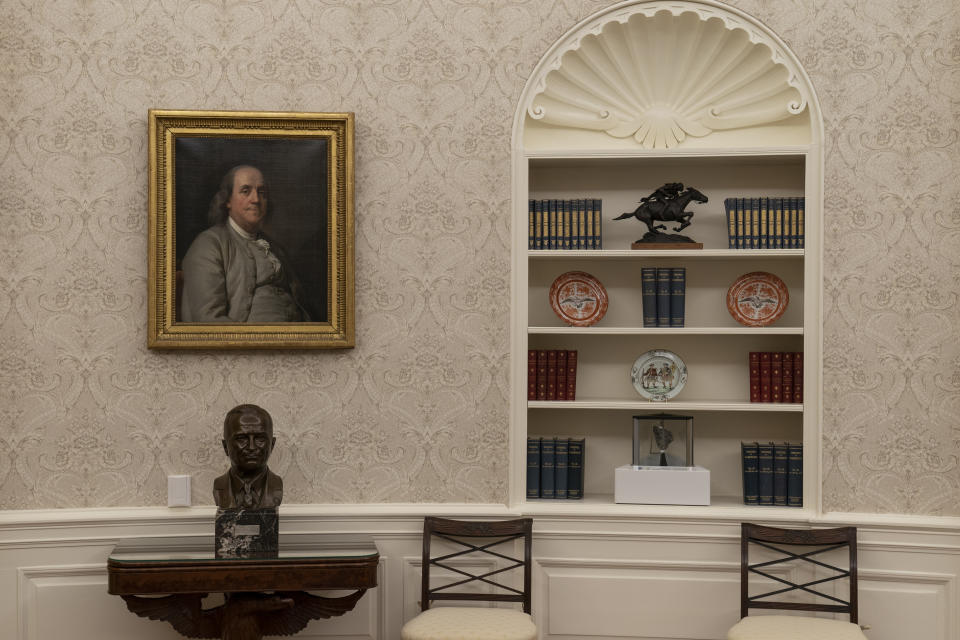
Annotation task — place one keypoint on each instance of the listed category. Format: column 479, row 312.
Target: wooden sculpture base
column 666, row 245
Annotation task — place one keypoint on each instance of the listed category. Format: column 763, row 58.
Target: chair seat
column 761, row 627
column 470, row 623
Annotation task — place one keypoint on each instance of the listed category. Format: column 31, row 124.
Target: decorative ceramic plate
column 658, row 374
column 757, row 299
column 578, row 298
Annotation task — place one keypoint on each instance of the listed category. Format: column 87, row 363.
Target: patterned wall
column 418, row 411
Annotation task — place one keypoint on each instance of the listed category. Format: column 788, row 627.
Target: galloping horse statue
column 666, row 204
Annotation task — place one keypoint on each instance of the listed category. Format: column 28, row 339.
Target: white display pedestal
column 661, row 485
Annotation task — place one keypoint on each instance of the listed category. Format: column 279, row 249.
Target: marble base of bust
column 247, row 533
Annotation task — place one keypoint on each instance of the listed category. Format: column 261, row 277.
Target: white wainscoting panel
column 896, row 604
column 611, row 598
column 68, row 602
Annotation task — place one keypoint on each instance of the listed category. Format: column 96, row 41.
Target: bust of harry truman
column 248, row 440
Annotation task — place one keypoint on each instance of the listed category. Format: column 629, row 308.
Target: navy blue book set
column 772, row 473
column 663, row 293
column 555, row 467
column 565, row 224
column 765, row 223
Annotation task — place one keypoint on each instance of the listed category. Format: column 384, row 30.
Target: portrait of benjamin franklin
column 251, row 230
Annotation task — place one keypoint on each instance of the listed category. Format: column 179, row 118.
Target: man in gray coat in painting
column 232, row 272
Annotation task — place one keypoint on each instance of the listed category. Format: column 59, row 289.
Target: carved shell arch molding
column 660, row 71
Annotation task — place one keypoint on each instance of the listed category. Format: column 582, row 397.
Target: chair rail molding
column 659, row 71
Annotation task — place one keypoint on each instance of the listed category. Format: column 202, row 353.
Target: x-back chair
column 783, row 542
column 494, row 543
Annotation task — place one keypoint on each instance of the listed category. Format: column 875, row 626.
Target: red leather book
column 798, row 376
column 754, row 376
column 531, row 374
column 776, row 377
column 766, row 373
column 551, row 374
column 541, row 374
column 788, row 376
column 571, row 375
column 561, row 374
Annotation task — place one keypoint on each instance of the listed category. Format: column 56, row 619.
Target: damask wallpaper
column 419, row 410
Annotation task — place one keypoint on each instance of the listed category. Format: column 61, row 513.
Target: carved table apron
column 166, row 579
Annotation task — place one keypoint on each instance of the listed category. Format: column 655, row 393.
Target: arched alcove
column 667, row 75
column 634, row 96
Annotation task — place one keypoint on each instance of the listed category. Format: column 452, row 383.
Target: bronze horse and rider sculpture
column 666, row 204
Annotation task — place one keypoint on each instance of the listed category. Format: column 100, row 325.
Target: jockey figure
column 668, row 191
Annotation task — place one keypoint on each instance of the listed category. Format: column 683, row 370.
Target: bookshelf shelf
column 673, row 405
column 666, row 331
column 646, row 254
column 560, row 160
column 726, row 507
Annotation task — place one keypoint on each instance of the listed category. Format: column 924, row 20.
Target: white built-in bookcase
column 637, row 95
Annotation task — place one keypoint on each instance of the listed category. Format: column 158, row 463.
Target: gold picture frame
column 282, row 278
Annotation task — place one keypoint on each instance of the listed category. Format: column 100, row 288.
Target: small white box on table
column 661, row 485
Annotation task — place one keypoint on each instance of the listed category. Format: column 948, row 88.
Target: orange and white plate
column 578, row 299
column 757, row 299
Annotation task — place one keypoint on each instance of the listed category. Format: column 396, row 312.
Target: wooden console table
column 167, row 578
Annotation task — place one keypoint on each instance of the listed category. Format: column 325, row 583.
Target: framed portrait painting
column 251, row 230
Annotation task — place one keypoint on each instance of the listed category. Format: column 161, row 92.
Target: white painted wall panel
column 641, row 604
column 897, row 604
column 57, row 605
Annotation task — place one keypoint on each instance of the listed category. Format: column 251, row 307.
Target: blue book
column 663, row 296
column 552, row 243
column 794, row 474
column 598, row 225
column 533, row 467
column 648, row 295
column 748, row 451
column 561, row 453
column 678, row 295
column 765, row 473
column 531, row 217
column 801, row 205
column 537, row 224
column 747, row 223
column 730, row 206
column 567, row 231
column 776, row 225
column 548, row 461
column 544, row 225
column 575, row 468
column 754, row 242
column 583, row 234
column 763, row 236
column 772, row 225
column 741, row 222
column 794, row 238
column 783, row 238
column 588, row 223
column 581, row 219
column 780, row 474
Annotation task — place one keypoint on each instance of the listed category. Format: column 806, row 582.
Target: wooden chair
column 474, row 540
column 792, row 627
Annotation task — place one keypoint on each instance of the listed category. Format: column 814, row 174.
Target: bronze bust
column 248, row 440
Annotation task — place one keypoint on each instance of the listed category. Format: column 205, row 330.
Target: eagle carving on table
column 244, row 616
